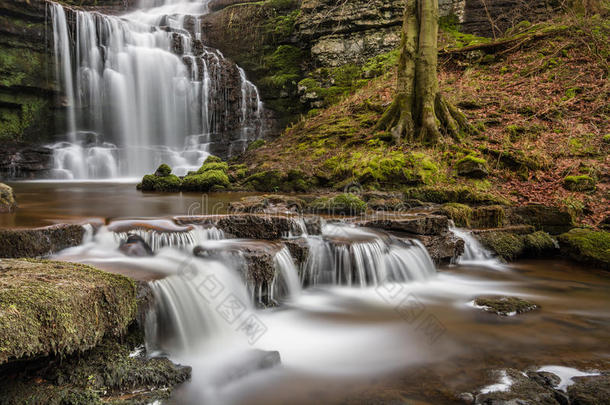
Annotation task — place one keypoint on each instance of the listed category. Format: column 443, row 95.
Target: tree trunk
column 419, row 111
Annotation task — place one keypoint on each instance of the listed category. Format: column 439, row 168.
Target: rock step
column 39, row 242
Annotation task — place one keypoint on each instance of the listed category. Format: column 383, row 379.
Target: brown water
column 47, row 203
column 349, row 346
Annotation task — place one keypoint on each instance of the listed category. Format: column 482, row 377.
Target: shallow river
column 420, row 341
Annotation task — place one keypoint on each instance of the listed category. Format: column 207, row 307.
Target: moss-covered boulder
column 50, row 307
column 7, row 199
column 472, row 167
column 504, row 306
column 579, row 183
column 210, row 180
column 553, row 220
column 112, row 372
column 345, row 204
column 453, row 194
column 39, row 242
column 588, row 246
column 273, row 203
column 269, row 180
column 162, row 180
column 511, row 246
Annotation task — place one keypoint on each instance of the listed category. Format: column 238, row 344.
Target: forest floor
column 538, row 100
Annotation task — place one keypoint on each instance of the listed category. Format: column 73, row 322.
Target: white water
column 346, row 255
column 141, row 89
column 474, row 252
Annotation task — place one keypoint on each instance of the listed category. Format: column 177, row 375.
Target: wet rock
column 135, row 246
column 472, row 167
column 249, row 226
column 592, row 390
column 419, row 224
column 466, row 397
column 49, row 307
column 515, row 388
column 299, row 250
column 587, row 246
column 38, row 242
column 505, row 306
column 442, row 248
column 268, row 204
column 24, row 161
column 7, row 199
column 112, row 372
column 544, row 378
column 549, row 219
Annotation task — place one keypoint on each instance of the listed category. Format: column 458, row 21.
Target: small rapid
column 474, row 252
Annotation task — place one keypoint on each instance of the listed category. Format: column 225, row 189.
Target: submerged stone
column 505, row 306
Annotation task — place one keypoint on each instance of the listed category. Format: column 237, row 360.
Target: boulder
column 7, row 199
column 547, row 218
column 38, row 242
column 505, row 306
column 587, row 246
column 268, row 204
column 50, row 307
column 418, row 224
column 579, row 183
column 442, row 248
column 591, row 390
column 510, row 244
column 135, row 246
column 472, row 167
column 518, row 388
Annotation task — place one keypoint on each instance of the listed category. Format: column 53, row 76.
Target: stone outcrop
column 414, row 224
column 20, row 160
column 51, row 307
column 39, row 242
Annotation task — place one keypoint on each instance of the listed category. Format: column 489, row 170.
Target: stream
column 367, row 315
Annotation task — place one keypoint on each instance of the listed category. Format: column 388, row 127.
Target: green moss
column 606, row 138
column 441, row 195
column 539, row 243
column 256, row 144
column 49, row 307
column 345, row 204
column 579, row 183
column 212, row 159
column 163, row 170
column 459, row 213
column 488, row 217
column 169, row 183
column 209, row 180
column 220, row 166
column 587, row 245
column 505, row 305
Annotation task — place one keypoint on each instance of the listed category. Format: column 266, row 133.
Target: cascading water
column 141, row 89
column 474, row 252
column 351, row 256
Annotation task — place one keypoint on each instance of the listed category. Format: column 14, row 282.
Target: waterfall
column 351, row 256
column 160, row 239
column 141, row 89
column 474, row 252
column 286, row 281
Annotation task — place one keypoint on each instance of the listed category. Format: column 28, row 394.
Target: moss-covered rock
column 49, row 307
column 505, row 306
column 268, row 203
column 472, row 167
column 553, row 220
column 459, row 213
column 491, row 216
column 111, row 372
column 39, row 242
column 579, row 183
column 588, row 246
column 270, row 180
column 209, row 180
column 345, row 204
column 456, row 194
column 161, row 180
column 7, row 199
column 511, row 246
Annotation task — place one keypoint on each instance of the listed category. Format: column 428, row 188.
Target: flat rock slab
column 50, row 307
column 415, row 224
column 252, row 226
column 39, row 242
column 505, row 306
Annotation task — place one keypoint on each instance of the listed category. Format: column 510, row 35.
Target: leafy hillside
column 537, row 100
